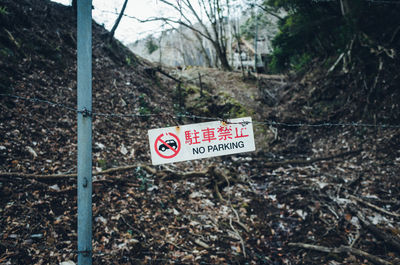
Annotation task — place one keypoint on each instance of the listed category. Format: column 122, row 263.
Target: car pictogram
column 170, row 142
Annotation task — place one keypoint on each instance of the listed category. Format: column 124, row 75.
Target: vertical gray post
column 84, row 35
column 255, row 43
column 201, row 85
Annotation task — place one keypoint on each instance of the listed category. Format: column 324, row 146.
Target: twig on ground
column 73, row 175
column 342, row 249
column 374, row 206
column 310, row 161
column 201, row 243
column 378, row 233
column 237, row 217
column 166, row 174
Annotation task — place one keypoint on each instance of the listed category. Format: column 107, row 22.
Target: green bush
column 3, row 11
column 300, row 63
column 321, row 29
column 151, row 46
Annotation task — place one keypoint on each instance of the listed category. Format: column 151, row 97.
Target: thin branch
column 112, row 32
column 374, row 206
column 180, row 22
column 73, row 175
column 394, row 34
column 388, row 239
column 310, row 161
column 179, row 9
column 164, row 173
column 269, row 12
column 342, row 249
column 199, row 20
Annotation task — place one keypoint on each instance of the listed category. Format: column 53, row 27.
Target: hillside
column 319, row 189
column 38, row 60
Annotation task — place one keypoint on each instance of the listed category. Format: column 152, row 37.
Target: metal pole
column 255, row 42
column 201, row 85
column 84, row 35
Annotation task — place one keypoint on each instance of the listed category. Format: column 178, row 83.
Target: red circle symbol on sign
column 173, row 145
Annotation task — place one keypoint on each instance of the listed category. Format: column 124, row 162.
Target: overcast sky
column 129, row 30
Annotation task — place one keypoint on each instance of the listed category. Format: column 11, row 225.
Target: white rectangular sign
column 201, row 140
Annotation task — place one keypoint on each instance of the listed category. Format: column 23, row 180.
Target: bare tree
column 114, row 28
column 201, row 48
column 160, row 47
column 74, row 5
column 208, row 19
column 238, row 38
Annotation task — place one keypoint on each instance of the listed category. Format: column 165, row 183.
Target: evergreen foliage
column 322, row 29
column 151, row 46
column 248, row 28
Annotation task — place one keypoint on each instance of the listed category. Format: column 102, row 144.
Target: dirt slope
column 38, row 60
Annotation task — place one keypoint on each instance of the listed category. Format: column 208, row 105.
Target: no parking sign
column 201, row 140
column 167, row 145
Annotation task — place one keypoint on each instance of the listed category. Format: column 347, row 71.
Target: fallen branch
column 168, row 174
column 310, row 161
column 73, row 175
column 342, row 249
column 37, row 176
column 201, row 243
column 153, row 70
column 176, row 245
column 218, row 193
column 236, row 215
column 374, row 206
column 162, row 174
column 378, row 233
column 336, row 63
column 238, row 235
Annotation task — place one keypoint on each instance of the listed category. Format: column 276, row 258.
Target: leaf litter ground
column 166, row 216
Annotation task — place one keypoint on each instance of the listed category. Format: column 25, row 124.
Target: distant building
column 244, row 55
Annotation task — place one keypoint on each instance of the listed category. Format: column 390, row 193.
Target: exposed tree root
column 212, row 171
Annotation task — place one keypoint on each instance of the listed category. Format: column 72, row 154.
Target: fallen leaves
column 286, row 194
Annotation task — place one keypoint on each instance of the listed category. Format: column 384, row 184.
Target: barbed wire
column 197, row 117
column 37, row 100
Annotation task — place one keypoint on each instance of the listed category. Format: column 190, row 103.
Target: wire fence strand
column 204, row 118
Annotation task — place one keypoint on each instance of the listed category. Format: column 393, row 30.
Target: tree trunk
column 75, row 6
column 160, row 49
column 238, row 38
column 114, row 28
column 222, row 56
column 344, row 7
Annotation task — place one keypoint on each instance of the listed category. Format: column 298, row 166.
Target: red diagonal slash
column 175, row 151
column 170, row 147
